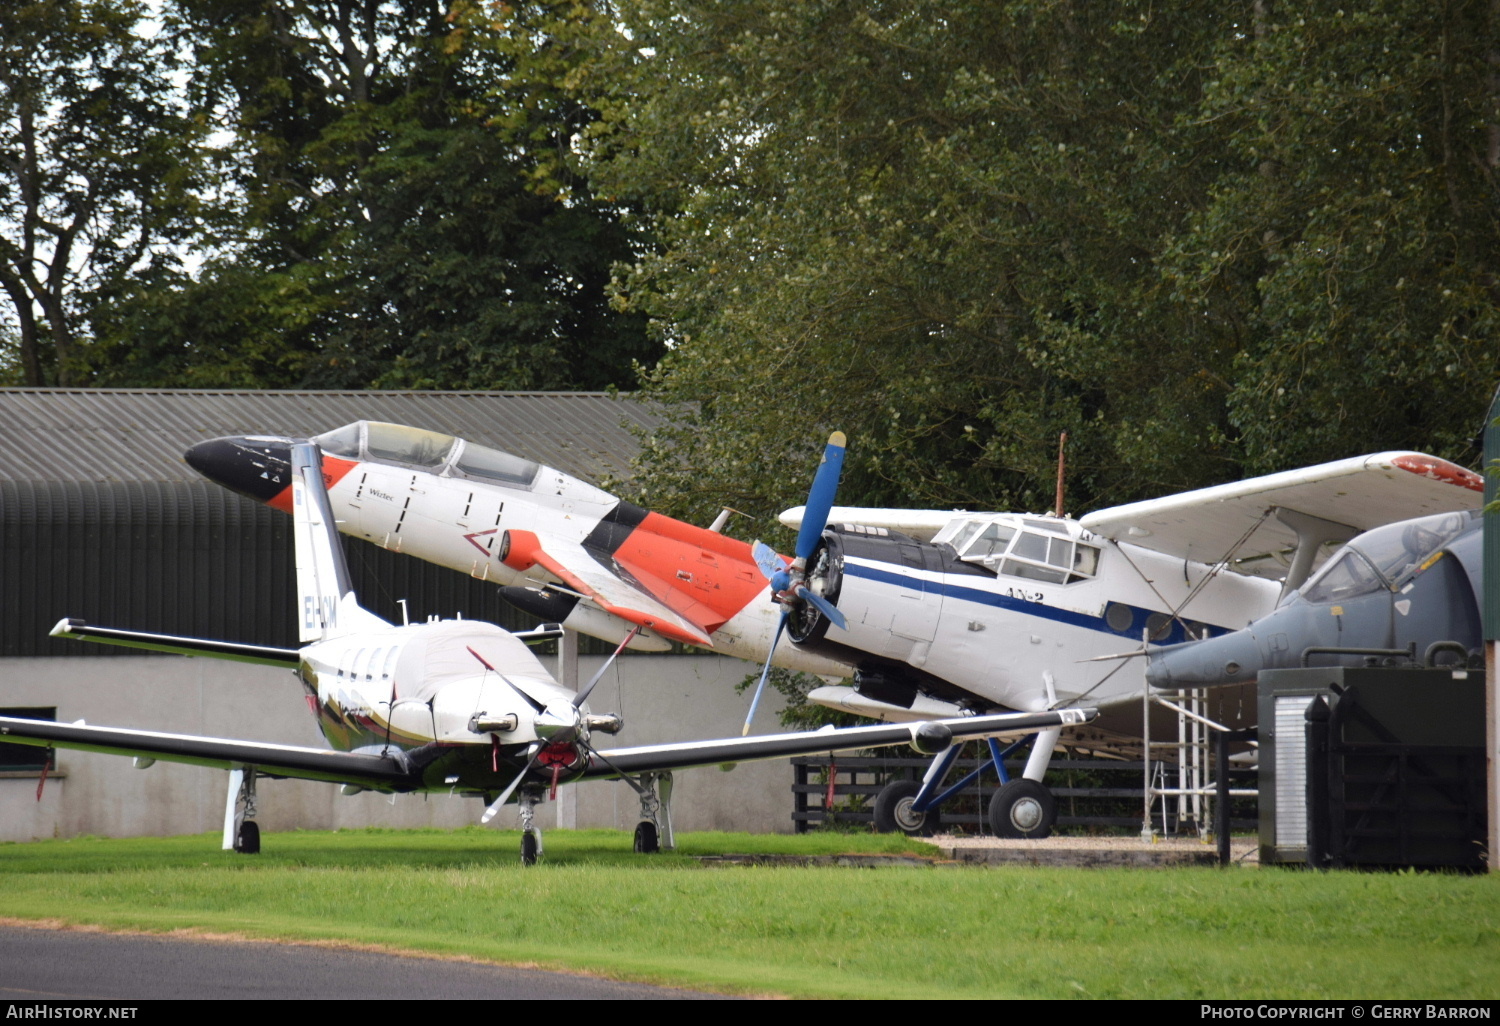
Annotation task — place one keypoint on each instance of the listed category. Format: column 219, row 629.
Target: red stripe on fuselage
column 334, row 471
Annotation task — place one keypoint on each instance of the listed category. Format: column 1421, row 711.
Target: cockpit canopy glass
column 414, row 447
column 1383, row 557
column 1033, row 548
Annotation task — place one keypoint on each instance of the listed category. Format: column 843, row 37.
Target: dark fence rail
column 1094, row 794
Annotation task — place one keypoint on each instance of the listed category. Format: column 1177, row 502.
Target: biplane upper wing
column 1240, row 518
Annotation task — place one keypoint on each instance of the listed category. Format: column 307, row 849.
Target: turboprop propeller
column 558, row 728
column 790, row 587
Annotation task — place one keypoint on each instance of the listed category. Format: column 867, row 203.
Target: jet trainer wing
column 933, row 734
column 1356, row 494
column 381, row 772
column 575, row 567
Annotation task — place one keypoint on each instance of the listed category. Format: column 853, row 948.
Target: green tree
column 1353, row 243
column 931, row 226
column 100, row 174
column 406, row 221
column 957, row 229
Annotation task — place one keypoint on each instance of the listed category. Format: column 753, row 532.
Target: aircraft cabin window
column 992, row 541
column 493, row 465
column 965, row 532
column 409, row 445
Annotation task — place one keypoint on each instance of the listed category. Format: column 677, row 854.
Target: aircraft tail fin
column 327, row 607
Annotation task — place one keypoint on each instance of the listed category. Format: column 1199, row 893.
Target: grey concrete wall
column 663, row 698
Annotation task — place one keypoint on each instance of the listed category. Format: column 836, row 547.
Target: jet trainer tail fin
column 327, row 607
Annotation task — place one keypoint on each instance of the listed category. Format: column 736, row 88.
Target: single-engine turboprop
column 935, row 614
column 448, row 706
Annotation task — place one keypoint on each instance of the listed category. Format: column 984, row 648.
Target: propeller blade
column 766, row 559
column 764, row 673
column 583, row 696
column 825, row 607
column 820, row 496
column 498, row 803
column 538, row 706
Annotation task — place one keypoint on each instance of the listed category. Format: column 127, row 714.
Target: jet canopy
column 1382, row 558
column 1046, row 549
column 442, row 454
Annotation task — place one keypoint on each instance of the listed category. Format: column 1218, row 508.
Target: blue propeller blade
column 766, row 559
column 820, row 496
column 764, row 673
column 825, row 607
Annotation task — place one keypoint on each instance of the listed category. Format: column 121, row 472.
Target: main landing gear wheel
column 247, row 838
column 646, row 839
column 893, row 811
column 531, row 849
column 1023, row 808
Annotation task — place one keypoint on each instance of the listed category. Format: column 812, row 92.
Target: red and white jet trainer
column 560, row 548
column 447, row 706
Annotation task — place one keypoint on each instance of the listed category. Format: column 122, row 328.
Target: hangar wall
column 662, row 698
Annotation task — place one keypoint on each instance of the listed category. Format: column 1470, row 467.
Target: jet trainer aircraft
column 937, row 614
column 446, row 706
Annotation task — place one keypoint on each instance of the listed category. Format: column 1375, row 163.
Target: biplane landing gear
column 1023, row 808
column 531, row 834
column 654, row 831
column 893, row 811
column 241, row 832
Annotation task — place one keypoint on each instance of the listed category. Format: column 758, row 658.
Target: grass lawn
column 974, row 932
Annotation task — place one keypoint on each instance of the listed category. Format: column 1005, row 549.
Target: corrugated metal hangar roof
column 117, row 435
column 100, row 517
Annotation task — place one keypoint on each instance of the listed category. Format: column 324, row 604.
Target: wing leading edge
column 383, row 772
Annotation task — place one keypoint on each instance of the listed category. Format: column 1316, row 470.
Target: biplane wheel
column 531, row 849
column 893, row 811
column 247, row 838
column 1023, row 808
column 647, row 842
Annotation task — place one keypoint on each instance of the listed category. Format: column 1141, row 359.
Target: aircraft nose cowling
column 259, row 468
column 1228, row 659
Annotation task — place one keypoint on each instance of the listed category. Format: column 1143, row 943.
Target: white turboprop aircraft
column 447, row 706
column 936, row 614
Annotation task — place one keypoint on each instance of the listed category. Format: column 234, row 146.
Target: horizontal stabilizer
column 263, row 654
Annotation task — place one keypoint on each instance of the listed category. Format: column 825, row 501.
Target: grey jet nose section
column 1228, row 659
column 258, row 467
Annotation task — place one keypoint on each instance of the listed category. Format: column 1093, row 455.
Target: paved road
column 58, row 965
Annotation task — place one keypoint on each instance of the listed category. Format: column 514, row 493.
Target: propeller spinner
column 790, row 587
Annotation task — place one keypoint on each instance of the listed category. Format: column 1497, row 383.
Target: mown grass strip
column 810, row 932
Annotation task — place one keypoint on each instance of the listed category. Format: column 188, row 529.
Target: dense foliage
column 1204, row 238
column 389, row 209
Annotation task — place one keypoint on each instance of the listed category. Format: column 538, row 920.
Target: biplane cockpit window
column 1034, row 548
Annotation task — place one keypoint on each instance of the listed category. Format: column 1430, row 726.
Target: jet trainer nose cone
column 257, row 467
column 1228, row 659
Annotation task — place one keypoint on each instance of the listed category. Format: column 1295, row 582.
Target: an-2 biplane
column 445, row 706
column 944, row 614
